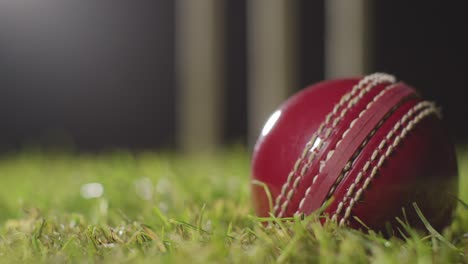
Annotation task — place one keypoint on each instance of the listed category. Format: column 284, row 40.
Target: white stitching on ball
column 362, row 83
column 353, row 122
column 429, row 110
column 366, row 166
column 375, row 80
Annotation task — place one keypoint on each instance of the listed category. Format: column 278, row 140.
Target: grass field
column 120, row 207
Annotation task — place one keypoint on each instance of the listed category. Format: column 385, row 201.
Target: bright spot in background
column 271, row 122
column 92, row 190
column 163, row 186
column 144, row 188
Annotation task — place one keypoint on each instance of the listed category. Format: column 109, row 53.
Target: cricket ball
column 363, row 150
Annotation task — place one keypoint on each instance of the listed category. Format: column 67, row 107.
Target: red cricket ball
column 372, row 144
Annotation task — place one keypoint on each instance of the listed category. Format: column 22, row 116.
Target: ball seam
column 330, row 152
column 380, row 147
column 349, row 164
column 345, row 98
column 410, row 125
column 352, row 98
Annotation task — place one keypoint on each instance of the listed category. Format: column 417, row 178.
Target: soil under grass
column 147, row 207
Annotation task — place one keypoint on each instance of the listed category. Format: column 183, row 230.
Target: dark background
column 426, row 45
column 100, row 75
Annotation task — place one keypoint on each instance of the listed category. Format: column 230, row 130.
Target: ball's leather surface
column 369, row 145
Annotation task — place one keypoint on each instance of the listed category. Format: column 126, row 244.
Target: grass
column 154, row 208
